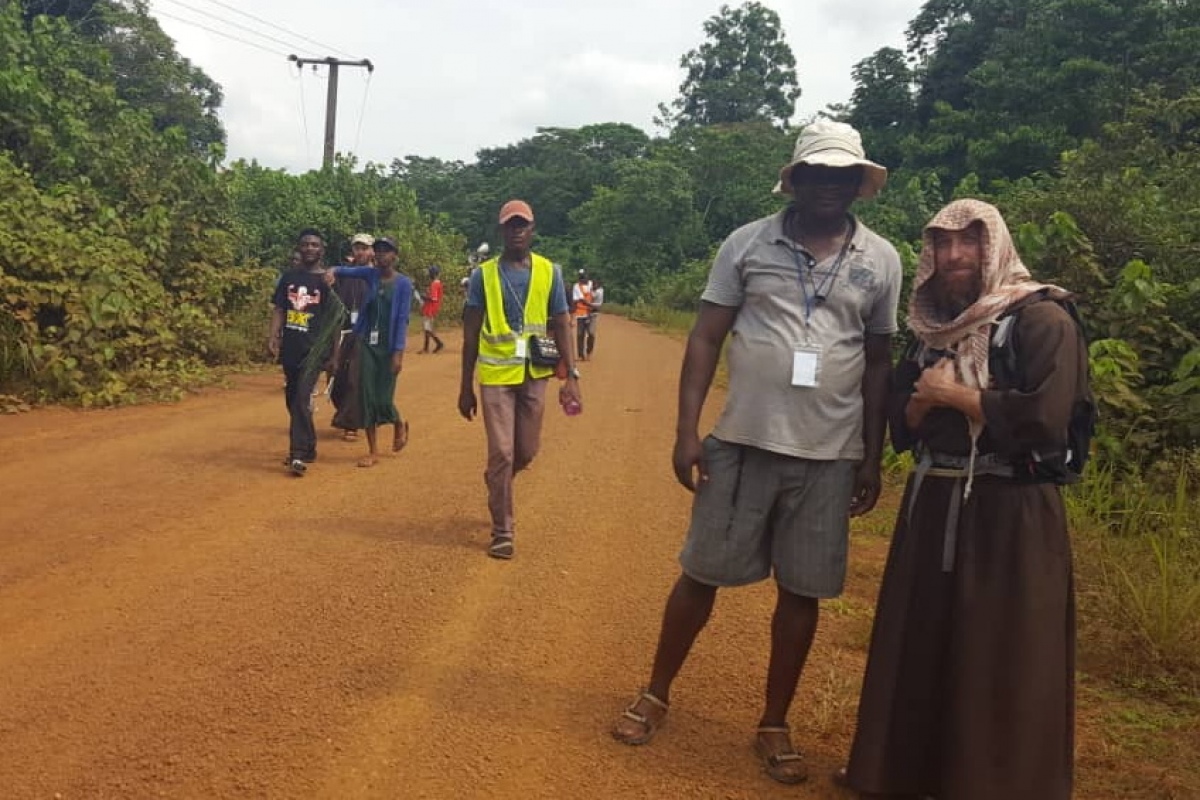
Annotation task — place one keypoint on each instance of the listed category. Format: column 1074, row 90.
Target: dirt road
column 179, row 618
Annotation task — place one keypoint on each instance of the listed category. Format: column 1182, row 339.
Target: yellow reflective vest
column 499, row 364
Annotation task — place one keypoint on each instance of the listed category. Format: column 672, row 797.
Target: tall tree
column 645, row 225
column 882, row 106
column 732, row 168
column 152, row 76
column 744, row 72
column 148, row 72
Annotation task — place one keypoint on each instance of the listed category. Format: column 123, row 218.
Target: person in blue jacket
column 382, row 330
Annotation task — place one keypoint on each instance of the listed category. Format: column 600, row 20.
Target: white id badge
column 353, row 317
column 806, row 366
column 522, row 347
column 374, row 338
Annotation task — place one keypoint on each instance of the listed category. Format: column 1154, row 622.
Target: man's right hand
column 467, row 405
column 688, row 460
column 273, row 346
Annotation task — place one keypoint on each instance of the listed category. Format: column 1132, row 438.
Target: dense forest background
column 133, row 258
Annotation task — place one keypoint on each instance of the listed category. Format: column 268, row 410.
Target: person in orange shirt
column 429, row 310
column 581, row 309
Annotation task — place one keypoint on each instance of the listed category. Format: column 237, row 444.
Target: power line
column 303, row 111
column 231, row 23
column 219, row 33
column 299, row 36
column 362, row 111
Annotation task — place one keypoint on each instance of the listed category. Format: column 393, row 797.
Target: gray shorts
column 761, row 511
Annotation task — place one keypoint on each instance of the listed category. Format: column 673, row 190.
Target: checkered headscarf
column 1005, row 281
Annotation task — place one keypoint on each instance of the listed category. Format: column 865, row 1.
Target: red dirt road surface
column 180, row 618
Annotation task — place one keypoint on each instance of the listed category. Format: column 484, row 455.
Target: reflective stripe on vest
column 499, row 364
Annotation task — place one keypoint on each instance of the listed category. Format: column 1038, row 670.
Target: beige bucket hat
column 833, row 144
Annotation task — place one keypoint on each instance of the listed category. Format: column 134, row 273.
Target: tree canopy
column 743, row 72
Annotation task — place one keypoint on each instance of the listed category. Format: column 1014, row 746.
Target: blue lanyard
column 513, row 294
column 819, row 292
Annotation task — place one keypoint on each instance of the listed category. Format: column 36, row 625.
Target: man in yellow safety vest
column 513, row 299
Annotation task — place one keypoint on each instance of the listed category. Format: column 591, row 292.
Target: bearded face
column 958, row 268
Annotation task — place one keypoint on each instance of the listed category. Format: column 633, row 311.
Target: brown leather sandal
column 647, row 724
column 785, row 765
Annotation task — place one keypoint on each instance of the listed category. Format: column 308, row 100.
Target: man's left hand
column 867, row 484
column 397, row 362
column 570, row 391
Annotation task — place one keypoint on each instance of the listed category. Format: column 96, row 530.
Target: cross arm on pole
column 331, row 100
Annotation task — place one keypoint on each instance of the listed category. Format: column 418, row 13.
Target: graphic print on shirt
column 299, row 298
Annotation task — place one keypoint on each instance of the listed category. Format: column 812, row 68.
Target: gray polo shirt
column 759, row 270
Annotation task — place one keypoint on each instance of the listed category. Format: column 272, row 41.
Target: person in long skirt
column 382, row 331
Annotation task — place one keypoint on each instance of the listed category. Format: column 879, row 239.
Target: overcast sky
column 454, row 76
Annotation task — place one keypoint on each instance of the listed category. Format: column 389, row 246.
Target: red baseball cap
column 516, row 208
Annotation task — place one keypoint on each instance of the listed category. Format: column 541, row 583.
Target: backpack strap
column 1061, row 467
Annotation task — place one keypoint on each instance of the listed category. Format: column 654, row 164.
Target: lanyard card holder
column 806, row 366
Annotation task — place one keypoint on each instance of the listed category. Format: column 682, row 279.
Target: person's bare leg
column 792, row 629
column 372, row 456
column 399, row 435
column 688, row 608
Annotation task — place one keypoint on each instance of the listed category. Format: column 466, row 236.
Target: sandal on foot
column 783, row 765
column 350, row 436
column 637, row 727
column 368, row 461
column 501, row 547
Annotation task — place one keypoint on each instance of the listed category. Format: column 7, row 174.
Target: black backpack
column 1055, row 466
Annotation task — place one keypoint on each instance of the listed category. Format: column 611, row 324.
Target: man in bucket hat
column 810, row 294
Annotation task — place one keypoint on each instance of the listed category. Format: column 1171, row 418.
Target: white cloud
column 455, row 76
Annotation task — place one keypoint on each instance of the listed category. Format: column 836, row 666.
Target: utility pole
column 331, row 96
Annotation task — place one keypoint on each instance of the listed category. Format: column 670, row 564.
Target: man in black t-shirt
column 300, row 302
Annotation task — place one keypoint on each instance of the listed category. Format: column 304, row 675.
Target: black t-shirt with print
column 304, row 298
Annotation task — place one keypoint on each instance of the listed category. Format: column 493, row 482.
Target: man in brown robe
column 345, row 393
column 969, row 688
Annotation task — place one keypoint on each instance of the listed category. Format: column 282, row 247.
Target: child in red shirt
column 429, row 310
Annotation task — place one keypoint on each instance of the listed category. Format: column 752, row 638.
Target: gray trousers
column 512, row 417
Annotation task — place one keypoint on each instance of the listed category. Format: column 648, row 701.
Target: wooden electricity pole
column 331, row 96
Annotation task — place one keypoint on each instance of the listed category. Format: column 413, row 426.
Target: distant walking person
column 581, row 300
column 382, row 331
column 429, row 310
column 597, row 302
column 797, row 449
column 301, row 303
column 511, row 300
